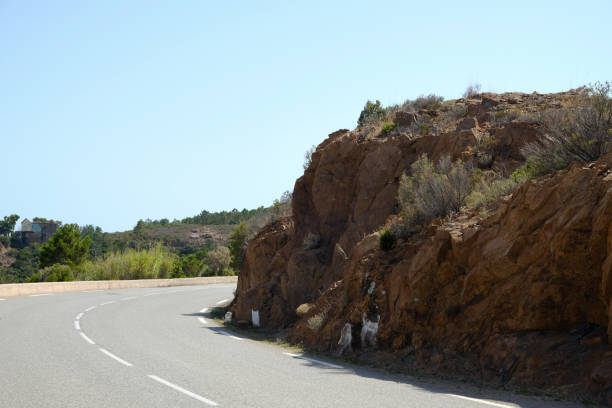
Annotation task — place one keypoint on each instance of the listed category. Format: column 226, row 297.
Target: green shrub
column 153, row 263
column 5, row 241
column 66, row 247
column 218, row 260
column 506, row 116
column 228, row 272
column 24, row 266
column 487, row 147
column 500, row 115
column 372, row 113
column 429, row 102
column 386, row 240
column 7, row 224
column 177, row 271
column 581, row 133
column 433, row 190
column 425, row 128
column 527, row 171
column 488, row 191
column 57, row 273
column 191, row 266
column 35, row 277
column 456, row 111
column 388, row 128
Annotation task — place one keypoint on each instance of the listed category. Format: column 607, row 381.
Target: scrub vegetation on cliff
column 578, row 132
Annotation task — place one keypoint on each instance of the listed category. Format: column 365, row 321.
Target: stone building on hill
column 37, row 232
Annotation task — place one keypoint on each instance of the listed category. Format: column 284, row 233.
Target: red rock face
column 521, row 297
column 348, row 191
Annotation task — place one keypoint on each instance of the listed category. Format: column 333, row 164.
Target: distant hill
column 185, row 243
column 205, row 229
column 176, row 235
column 225, row 217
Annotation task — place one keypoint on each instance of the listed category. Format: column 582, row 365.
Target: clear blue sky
column 112, row 111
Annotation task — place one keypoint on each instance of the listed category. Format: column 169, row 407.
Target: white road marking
column 41, row 294
column 203, row 320
column 89, row 309
column 114, row 357
column 129, row 298
column 77, row 326
column 151, row 294
column 90, row 291
column 87, row 339
column 221, row 301
column 225, row 333
column 108, row 303
column 494, row 404
column 184, row 391
column 234, row 337
column 300, row 356
column 2, row 299
column 78, row 317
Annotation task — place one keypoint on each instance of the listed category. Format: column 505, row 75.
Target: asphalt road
column 156, row 348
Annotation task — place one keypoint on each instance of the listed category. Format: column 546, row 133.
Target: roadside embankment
column 21, row 289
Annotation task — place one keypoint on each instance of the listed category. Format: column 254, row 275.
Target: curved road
column 155, row 348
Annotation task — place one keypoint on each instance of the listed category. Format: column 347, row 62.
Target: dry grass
column 316, row 322
column 303, row 309
column 154, row 263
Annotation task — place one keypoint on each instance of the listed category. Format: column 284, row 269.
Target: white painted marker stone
column 369, row 329
column 228, row 317
column 346, row 338
column 255, row 318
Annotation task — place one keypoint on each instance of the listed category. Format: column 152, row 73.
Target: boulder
column 403, row 118
column 467, row 123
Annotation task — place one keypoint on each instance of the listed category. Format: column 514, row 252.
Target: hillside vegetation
column 153, row 249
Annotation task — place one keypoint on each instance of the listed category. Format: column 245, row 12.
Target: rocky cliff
column 516, row 295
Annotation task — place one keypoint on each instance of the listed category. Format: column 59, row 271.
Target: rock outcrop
column 348, row 191
column 518, row 295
